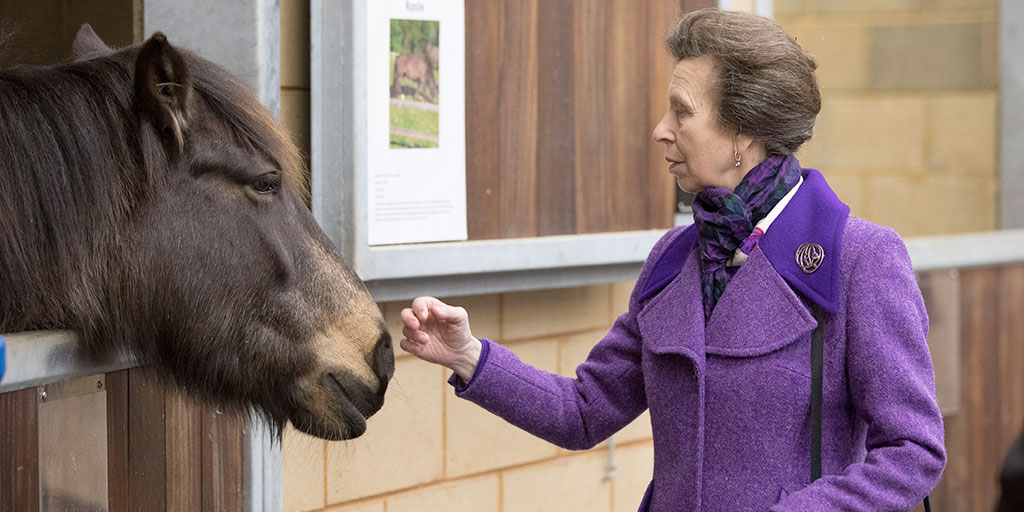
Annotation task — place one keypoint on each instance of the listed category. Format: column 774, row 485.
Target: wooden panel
column 221, row 461
column 19, row 451
column 1011, row 354
column 517, row 119
column 980, row 316
column 562, row 97
column 592, row 104
column 556, row 194
column 183, row 451
column 117, row 441
column 147, row 489
column 991, row 388
column 660, row 185
column 483, row 65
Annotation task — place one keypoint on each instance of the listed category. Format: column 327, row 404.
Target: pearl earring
column 736, row 155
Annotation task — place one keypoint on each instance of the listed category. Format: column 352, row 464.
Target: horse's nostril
column 383, row 357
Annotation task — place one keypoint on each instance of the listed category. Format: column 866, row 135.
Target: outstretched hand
column 439, row 333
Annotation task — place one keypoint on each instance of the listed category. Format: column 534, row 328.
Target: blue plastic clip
column 3, row 352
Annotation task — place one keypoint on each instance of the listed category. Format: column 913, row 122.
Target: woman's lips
column 672, row 166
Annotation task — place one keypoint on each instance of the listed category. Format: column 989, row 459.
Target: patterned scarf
column 725, row 220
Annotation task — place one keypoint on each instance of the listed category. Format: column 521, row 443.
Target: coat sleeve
column 607, row 393
column 892, row 386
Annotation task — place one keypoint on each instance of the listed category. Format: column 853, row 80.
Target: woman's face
column 699, row 152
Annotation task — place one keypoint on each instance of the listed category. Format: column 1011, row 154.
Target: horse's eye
column 266, row 183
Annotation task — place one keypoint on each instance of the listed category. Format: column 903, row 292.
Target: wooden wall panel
column 562, row 97
column 116, row 384
column 992, row 388
column 183, row 446
column 221, row 460
column 517, row 119
column 19, row 451
column 147, row 468
column 483, row 66
column 592, row 105
column 556, row 187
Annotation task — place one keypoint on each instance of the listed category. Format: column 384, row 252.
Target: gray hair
column 766, row 87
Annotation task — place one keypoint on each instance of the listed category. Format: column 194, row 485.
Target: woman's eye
column 266, row 183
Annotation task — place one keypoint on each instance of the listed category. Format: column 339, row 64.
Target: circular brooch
column 809, row 257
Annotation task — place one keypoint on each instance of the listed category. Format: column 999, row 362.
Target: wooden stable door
column 164, row 452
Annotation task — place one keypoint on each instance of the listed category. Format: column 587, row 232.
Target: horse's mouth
column 349, row 409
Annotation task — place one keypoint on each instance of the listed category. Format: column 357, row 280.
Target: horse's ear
column 87, row 44
column 163, row 89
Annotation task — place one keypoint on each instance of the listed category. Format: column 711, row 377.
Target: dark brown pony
column 417, row 67
column 150, row 202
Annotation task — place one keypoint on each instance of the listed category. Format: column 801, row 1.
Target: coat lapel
column 673, row 321
column 758, row 312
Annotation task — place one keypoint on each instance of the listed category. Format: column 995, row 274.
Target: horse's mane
column 71, row 173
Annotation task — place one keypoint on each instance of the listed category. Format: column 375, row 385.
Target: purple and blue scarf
column 725, row 220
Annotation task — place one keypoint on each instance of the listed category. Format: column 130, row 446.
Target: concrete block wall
column 908, row 129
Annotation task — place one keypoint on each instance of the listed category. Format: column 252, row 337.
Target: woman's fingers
column 410, row 319
column 421, row 305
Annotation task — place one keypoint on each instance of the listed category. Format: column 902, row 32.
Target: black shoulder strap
column 817, row 364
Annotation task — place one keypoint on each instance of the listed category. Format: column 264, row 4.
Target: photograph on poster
column 415, row 125
column 414, row 83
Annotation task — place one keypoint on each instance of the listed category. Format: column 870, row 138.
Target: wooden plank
column 147, row 489
column 693, row 5
column 116, row 384
column 483, row 66
column 1011, row 353
column 183, row 452
column 661, row 186
column 980, row 320
column 19, row 451
column 556, row 194
column 517, row 118
column 592, row 108
column 221, row 461
column 629, row 134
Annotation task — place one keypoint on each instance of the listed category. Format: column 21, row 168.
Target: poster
column 416, row 158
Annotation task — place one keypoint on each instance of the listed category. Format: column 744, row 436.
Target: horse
column 150, row 202
column 416, row 67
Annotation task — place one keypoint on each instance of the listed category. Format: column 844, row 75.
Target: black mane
column 74, row 165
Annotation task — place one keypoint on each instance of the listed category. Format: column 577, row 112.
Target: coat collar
column 814, row 216
column 759, row 295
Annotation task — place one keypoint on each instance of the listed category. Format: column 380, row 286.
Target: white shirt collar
column 738, row 257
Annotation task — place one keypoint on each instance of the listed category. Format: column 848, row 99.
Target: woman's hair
column 766, row 86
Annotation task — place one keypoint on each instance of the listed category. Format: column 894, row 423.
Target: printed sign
column 416, row 159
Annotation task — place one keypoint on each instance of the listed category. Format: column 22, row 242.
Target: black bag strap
column 817, row 363
column 817, row 367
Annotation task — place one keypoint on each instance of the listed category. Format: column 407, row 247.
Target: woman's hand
column 439, row 333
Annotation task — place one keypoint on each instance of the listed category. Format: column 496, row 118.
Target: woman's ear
column 87, row 44
column 163, row 89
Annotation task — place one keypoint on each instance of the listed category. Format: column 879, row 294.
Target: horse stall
column 81, row 435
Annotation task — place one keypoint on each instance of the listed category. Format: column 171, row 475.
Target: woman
column 717, row 339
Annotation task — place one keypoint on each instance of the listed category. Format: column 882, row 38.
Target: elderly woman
column 718, row 338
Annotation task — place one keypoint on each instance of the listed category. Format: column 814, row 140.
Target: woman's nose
column 662, row 132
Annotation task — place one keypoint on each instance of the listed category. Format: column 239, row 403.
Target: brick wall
column 907, row 131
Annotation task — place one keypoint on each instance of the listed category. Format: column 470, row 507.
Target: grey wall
column 1011, row 44
column 241, row 35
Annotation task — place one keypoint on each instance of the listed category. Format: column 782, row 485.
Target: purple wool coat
column 730, row 400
